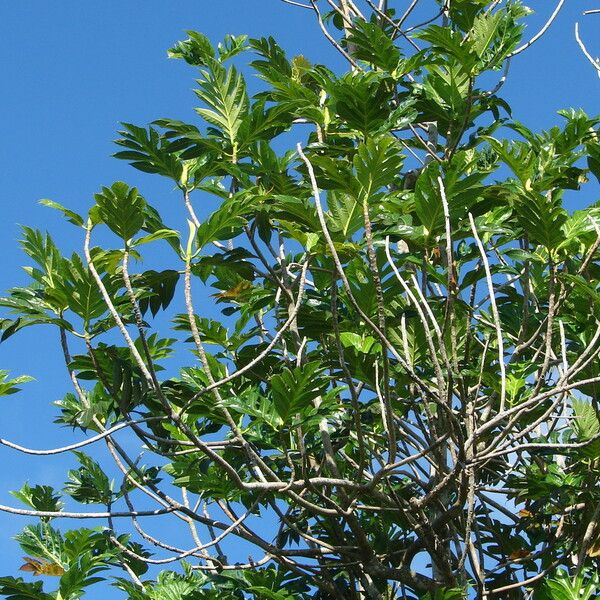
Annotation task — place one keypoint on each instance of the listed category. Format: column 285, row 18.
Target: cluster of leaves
column 78, row 557
column 406, row 334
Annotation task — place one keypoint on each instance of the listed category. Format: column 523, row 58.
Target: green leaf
column 196, row 50
column 224, row 91
column 81, row 290
column 41, row 248
column 266, row 594
column 377, row 162
column 583, row 286
column 517, row 155
column 160, row 234
column 446, row 91
column 255, row 405
column 225, row 223
column 231, row 46
column 447, row 40
column 43, row 541
column 96, row 407
column 295, row 389
column 275, row 64
column 593, row 160
column 586, row 425
column 16, row 589
column 121, row 208
column 39, row 497
column 154, row 223
column 89, row 484
column 159, row 289
column 428, row 202
column 484, row 31
column 212, row 332
column 9, row 386
column 362, row 100
column 542, row 218
column 158, row 348
column 562, row 587
column 149, row 151
column 495, row 35
column 363, row 343
column 174, row 586
column 344, row 214
column 373, row 45
column 71, row 216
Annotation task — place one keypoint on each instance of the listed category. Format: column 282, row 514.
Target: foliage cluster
column 401, row 397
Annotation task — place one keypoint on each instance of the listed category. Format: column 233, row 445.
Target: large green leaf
column 495, row 34
column 294, row 390
column 89, row 484
column 362, row 100
column 373, row 45
column 13, row 588
column 542, row 218
column 70, row 215
column 52, row 268
column 223, row 90
column 159, row 289
column 43, row 541
column 445, row 39
column 148, row 151
column 344, row 214
column 121, row 208
column 377, row 162
column 225, row 223
column 562, row 587
column 81, row 290
column 39, row 497
column 428, row 201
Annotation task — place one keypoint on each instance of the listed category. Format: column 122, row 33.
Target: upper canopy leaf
column 121, row 208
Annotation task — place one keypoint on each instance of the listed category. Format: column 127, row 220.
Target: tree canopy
column 400, row 396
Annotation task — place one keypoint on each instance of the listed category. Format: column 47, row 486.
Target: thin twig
column 76, row 445
column 594, row 61
column 541, row 32
column 331, row 39
column 299, row 4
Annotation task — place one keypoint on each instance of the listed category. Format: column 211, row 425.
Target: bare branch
column 541, row 32
column 81, row 444
column 495, row 314
column 595, row 62
column 299, row 4
column 84, row 515
column 331, row 39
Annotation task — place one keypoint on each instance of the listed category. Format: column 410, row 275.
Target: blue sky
column 73, row 70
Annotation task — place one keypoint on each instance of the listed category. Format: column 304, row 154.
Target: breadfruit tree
column 395, row 391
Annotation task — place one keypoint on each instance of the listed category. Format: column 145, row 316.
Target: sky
column 73, row 70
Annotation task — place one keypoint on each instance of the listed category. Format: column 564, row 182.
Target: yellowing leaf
column 525, row 514
column 520, row 553
column 594, row 549
column 300, row 66
column 39, row 566
column 235, row 291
